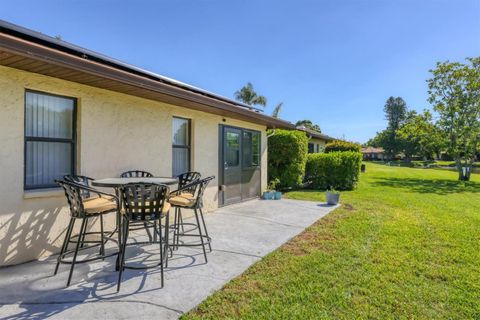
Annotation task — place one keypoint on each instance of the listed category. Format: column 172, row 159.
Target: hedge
column 287, row 156
column 334, row 170
column 340, row 145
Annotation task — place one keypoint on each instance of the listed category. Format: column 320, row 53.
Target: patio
column 242, row 234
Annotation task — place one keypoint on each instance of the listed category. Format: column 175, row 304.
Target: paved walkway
column 242, row 234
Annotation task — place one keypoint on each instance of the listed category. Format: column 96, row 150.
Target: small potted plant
column 277, row 195
column 267, row 195
column 270, row 193
column 333, row 196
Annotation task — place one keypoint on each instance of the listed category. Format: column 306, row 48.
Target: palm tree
column 248, row 96
column 277, row 109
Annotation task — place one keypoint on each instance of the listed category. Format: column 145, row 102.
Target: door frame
column 221, row 160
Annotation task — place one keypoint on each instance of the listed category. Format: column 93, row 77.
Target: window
column 49, row 139
column 180, row 146
column 251, row 149
column 233, row 149
column 311, row 147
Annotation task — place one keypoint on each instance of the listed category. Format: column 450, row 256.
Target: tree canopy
column 408, row 132
column 309, row 125
column 419, row 135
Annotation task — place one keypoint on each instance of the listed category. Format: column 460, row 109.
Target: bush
column 340, row 145
column 287, row 156
column 334, row 170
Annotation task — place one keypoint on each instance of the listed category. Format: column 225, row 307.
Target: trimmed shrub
column 340, row 145
column 334, row 170
column 287, row 156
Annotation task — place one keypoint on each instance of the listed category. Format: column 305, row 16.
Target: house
column 372, row 153
column 316, row 140
column 66, row 109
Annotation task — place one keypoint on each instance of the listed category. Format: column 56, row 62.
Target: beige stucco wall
column 320, row 142
column 116, row 132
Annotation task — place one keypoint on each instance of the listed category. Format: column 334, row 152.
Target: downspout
column 271, row 134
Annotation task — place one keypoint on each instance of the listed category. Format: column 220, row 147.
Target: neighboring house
column 372, row 153
column 68, row 110
column 316, row 140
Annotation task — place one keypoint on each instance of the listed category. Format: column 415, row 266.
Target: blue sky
column 334, row 62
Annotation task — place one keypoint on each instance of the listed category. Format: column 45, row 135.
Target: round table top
column 117, row 182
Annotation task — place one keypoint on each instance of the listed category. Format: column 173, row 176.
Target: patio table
column 116, row 183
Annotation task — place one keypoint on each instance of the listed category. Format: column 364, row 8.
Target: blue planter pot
column 277, row 195
column 267, row 195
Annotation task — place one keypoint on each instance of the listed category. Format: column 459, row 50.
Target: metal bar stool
column 85, row 193
column 143, row 202
column 191, row 197
column 142, row 174
column 84, row 208
column 184, row 180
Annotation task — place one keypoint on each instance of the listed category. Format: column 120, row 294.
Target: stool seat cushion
column 166, row 207
column 183, row 200
column 188, row 194
column 98, row 205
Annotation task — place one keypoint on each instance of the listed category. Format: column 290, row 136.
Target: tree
column 248, row 96
column 395, row 112
column 276, row 111
column 406, row 139
column 379, row 140
column 420, row 136
column 309, row 125
column 454, row 92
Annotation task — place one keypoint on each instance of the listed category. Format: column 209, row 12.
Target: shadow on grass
column 436, row 186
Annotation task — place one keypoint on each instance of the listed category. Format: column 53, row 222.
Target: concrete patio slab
column 242, row 234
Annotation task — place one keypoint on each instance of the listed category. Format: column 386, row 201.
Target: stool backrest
column 197, row 188
column 136, row 174
column 203, row 185
column 187, row 178
column 83, row 180
column 144, row 201
column 73, row 193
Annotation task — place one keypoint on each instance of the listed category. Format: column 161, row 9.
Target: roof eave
column 197, row 100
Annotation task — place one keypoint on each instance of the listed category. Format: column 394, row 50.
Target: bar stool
column 142, row 174
column 84, row 208
column 143, row 202
column 191, row 197
column 184, row 180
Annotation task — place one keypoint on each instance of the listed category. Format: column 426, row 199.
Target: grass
column 405, row 244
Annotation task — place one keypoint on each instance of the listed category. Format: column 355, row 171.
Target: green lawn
column 405, row 244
